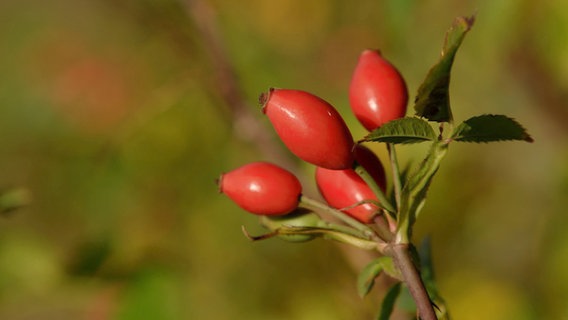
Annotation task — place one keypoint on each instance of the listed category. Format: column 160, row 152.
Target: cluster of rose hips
column 350, row 177
column 313, row 130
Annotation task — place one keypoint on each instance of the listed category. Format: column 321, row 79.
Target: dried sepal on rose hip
column 378, row 92
column 300, row 218
column 310, row 127
column 262, row 188
column 345, row 188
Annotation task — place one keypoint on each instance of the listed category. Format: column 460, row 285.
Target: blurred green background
column 116, row 117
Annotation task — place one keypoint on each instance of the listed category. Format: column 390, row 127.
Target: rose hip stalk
column 262, row 188
column 310, row 127
column 377, row 93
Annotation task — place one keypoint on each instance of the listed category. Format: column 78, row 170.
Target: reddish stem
column 402, row 259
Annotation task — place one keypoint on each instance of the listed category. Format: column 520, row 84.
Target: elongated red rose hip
column 310, row 127
column 369, row 160
column 344, row 188
column 378, row 93
column 262, row 188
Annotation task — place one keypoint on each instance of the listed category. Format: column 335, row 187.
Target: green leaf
column 490, row 128
column 433, row 100
column 366, row 278
column 404, row 130
column 388, row 302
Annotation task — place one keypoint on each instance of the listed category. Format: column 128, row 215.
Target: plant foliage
column 433, row 100
column 490, row 128
column 403, row 131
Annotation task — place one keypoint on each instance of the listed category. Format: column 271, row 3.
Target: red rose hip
column 377, row 93
column 344, row 188
column 369, row 160
column 262, row 188
column 310, row 127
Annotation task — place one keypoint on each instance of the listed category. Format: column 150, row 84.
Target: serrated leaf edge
column 405, row 136
column 525, row 137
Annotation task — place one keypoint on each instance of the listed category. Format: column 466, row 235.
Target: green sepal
column 433, row 100
column 299, row 218
column 403, row 131
column 490, row 128
column 331, row 232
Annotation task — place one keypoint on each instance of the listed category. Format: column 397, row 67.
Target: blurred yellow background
column 116, row 117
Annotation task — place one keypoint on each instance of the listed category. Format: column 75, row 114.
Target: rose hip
column 378, row 93
column 262, row 188
column 344, row 188
column 369, row 160
column 310, row 127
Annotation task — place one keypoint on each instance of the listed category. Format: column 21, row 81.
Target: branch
column 403, row 261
